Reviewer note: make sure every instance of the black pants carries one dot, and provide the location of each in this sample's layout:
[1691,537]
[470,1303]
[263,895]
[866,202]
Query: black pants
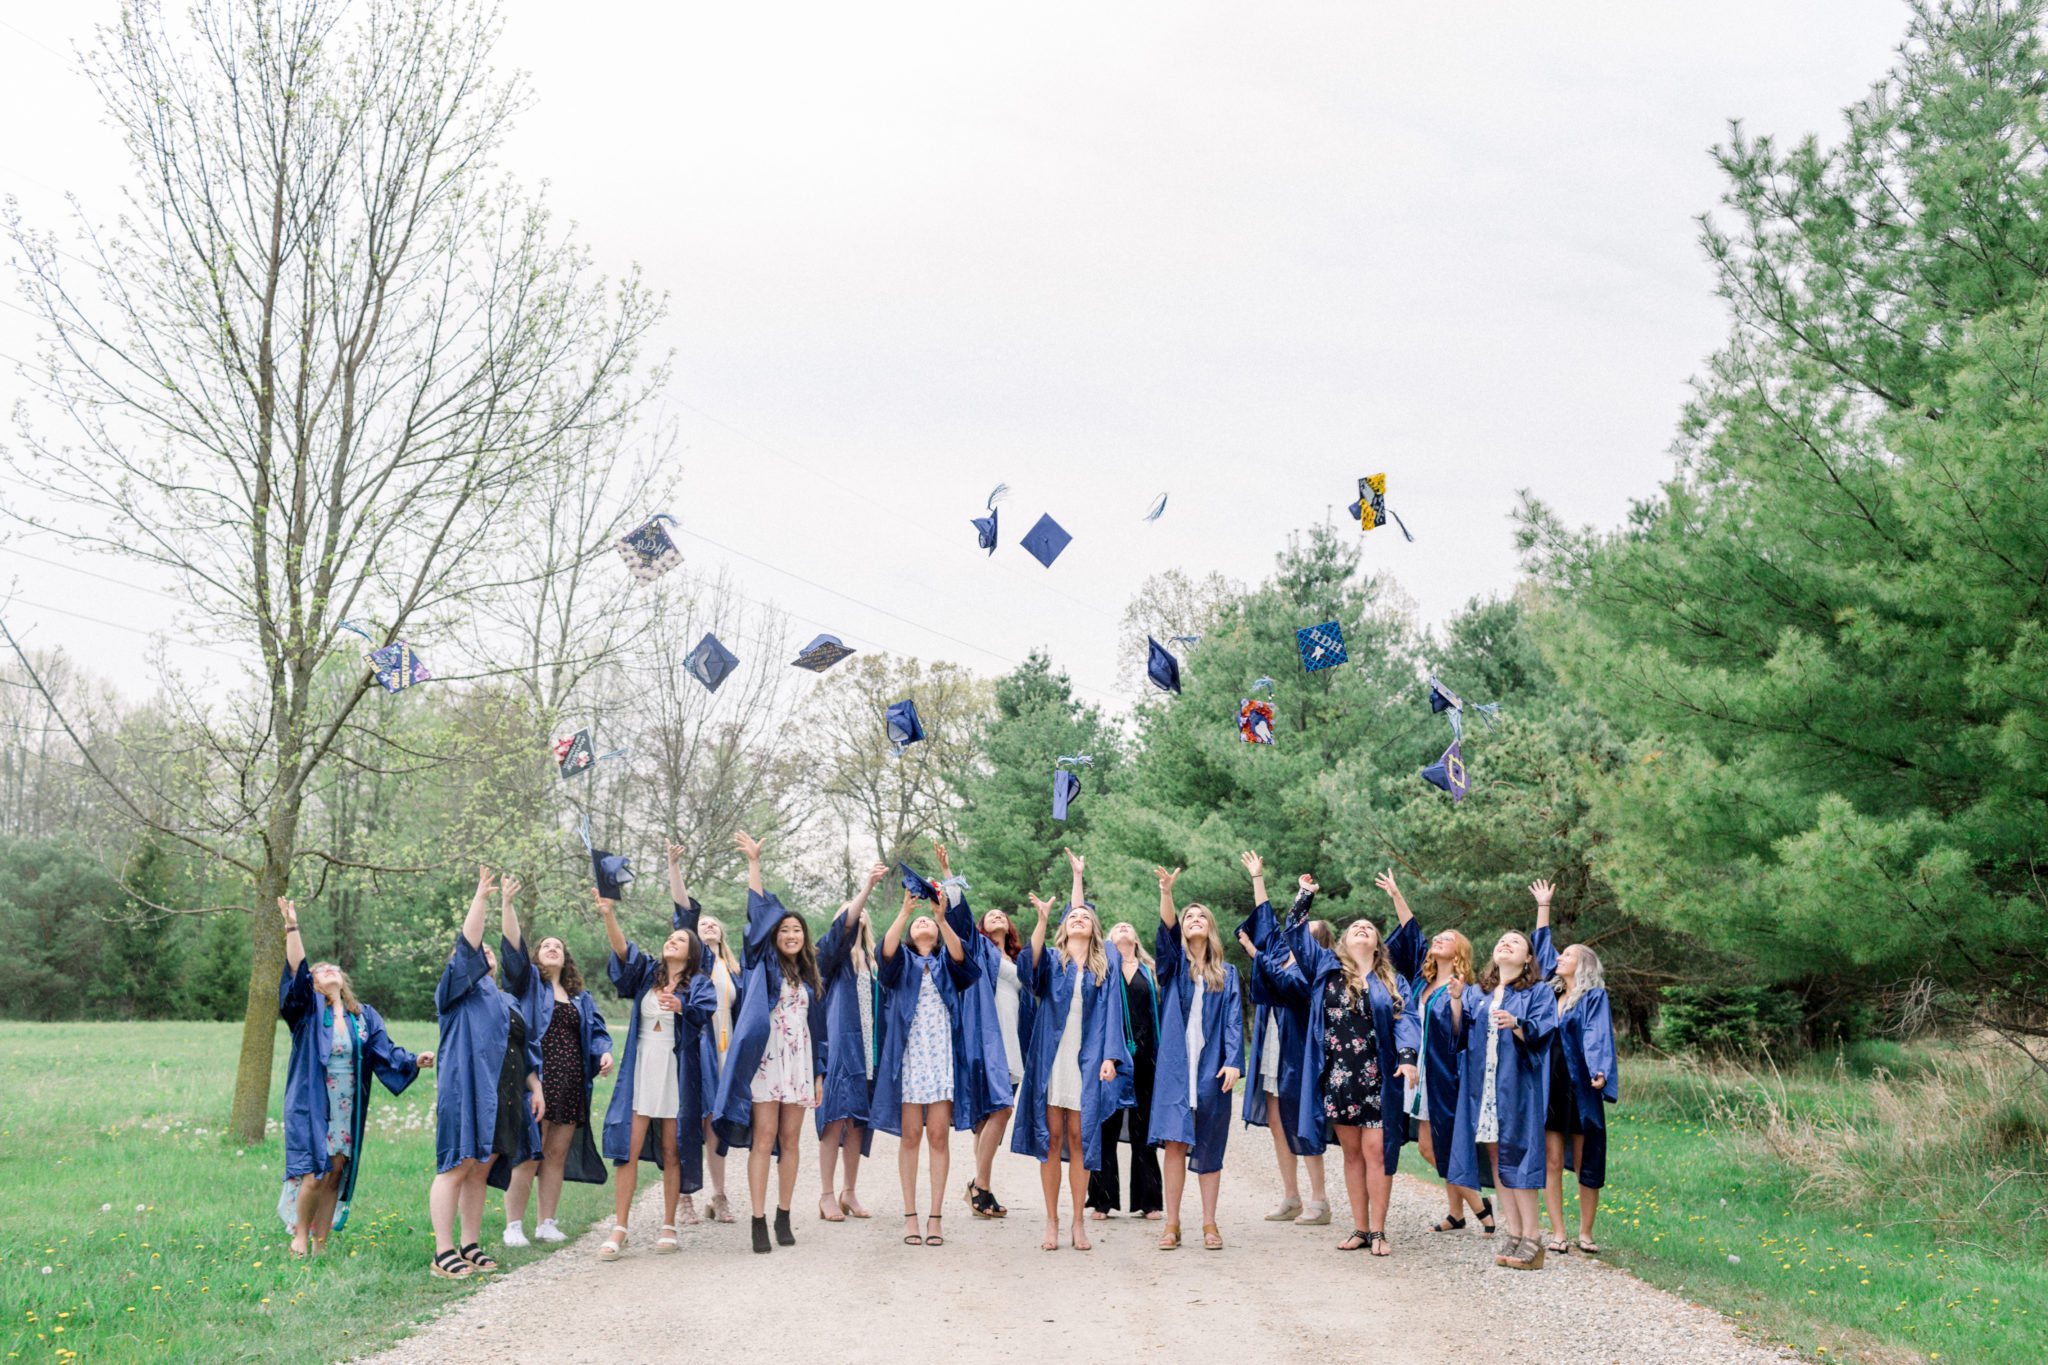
[1148,1195]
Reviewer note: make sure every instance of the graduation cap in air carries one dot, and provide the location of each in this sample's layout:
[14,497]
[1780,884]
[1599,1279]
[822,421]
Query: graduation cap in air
[1045,540]
[985,527]
[397,667]
[1162,668]
[917,885]
[577,754]
[1448,772]
[1157,509]
[1441,698]
[1255,717]
[648,549]
[903,725]
[1321,646]
[1371,510]
[821,653]
[612,870]
[1066,785]
[711,663]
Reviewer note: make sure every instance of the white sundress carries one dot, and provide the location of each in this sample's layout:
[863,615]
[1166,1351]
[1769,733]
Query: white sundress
[863,981]
[1269,1054]
[1489,1093]
[928,1048]
[1195,1041]
[1063,1086]
[1008,987]
[784,1076]
[655,1093]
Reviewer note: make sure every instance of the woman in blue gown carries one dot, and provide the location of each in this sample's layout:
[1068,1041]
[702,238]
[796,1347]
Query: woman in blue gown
[1584,1079]
[338,1043]
[1272,1093]
[853,1028]
[1436,1000]
[1077,1072]
[1504,1090]
[989,1018]
[1201,1056]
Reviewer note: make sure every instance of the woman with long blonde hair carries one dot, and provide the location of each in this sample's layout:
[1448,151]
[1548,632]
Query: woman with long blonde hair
[1078,1072]
[1584,1080]
[1201,1056]
[722,965]
[853,1026]
[1130,1127]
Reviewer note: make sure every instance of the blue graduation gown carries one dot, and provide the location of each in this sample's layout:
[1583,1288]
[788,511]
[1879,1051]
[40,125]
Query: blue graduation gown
[849,1092]
[1588,1033]
[1052,983]
[1286,1011]
[633,976]
[1393,1031]
[1441,1042]
[537,1007]
[905,976]
[685,918]
[305,1080]
[476,1020]
[732,1110]
[985,1084]
[1205,1127]
[1521,1082]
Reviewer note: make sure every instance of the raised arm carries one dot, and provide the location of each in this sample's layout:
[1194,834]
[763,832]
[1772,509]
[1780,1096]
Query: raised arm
[751,847]
[956,948]
[1305,889]
[473,922]
[1168,915]
[294,947]
[1385,882]
[850,912]
[893,940]
[612,931]
[1080,896]
[508,916]
[1255,865]
[1044,909]
[678,889]
[1540,942]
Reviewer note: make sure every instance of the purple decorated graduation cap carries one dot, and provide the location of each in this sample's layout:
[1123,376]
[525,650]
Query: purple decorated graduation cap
[711,663]
[396,667]
[1161,667]
[1045,540]
[648,549]
[902,724]
[1448,772]
[917,885]
[821,653]
[1321,646]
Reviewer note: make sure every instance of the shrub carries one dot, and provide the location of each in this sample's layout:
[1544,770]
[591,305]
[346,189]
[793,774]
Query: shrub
[1727,1020]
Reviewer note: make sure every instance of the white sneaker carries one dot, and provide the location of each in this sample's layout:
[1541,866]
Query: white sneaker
[515,1236]
[548,1232]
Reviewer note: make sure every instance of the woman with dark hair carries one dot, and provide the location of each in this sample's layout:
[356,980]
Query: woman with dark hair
[998,991]
[853,1025]
[1201,1056]
[1272,1095]
[771,1073]
[723,967]
[658,1099]
[338,1043]
[1584,1079]
[1131,1127]
[575,1049]
[1504,1091]
[985,1089]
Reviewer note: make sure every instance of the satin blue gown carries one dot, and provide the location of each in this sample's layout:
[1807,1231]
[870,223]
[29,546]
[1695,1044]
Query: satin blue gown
[1290,1016]
[1521,1085]
[1205,1126]
[537,1006]
[732,1111]
[475,1019]
[986,1085]
[1052,983]
[633,976]
[905,976]
[849,1059]
[305,1080]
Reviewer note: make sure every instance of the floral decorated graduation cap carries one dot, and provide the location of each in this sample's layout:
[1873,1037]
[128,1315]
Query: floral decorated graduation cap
[649,550]
[821,653]
[1255,717]
[1321,646]
[711,663]
[577,754]
[1046,540]
[1371,510]
[1448,772]
[1162,667]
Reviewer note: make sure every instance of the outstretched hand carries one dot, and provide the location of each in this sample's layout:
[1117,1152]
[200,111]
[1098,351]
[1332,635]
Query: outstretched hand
[749,846]
[1244,941]
[876,872]
[1043,908]
[484,882]
[1385,882]
[1307,883]
[1166,879]
[945,863]
[1253,864]
[508,888]
[675,857]
[289,911]
[1075,861]
[1542,891]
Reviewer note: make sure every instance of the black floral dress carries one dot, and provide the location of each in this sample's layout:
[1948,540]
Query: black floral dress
[1351,1057]
[561,1067]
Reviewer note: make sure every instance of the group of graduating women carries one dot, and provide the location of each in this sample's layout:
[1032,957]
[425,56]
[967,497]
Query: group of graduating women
[947,1023]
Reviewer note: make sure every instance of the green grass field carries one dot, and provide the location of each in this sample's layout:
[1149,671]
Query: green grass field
[131,1228]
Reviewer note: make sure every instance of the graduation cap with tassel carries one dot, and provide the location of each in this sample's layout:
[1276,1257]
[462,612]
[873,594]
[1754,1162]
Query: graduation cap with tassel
[902,724]
[1066,785]
[612,870]
[649,550]
[578,754]
[1371,510]
[985,527]
[1255,717]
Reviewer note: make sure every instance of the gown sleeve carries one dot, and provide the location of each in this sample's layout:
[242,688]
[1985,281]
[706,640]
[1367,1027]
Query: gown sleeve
[685,917]
[393,1065]
[960,914]
[464,970]
[1233,1022]
[1166,951]
[600,1036]
[1283,980]
[1312,959]
[1408,1028]
[835,950]
[630,974]
[295,992]
[699,1002]
[1260,926]
[1545,949]
[967,970]
[1034,971]
[1537,1009]
[1597,1030]
[764,912]
[1406,948]
[1110,1013]
[889,971]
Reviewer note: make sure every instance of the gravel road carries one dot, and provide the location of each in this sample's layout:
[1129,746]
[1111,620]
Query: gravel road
[853,1292]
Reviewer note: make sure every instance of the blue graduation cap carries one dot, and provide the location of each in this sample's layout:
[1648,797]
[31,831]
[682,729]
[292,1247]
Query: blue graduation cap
[1162,668]
[1045,540]
[578,754]
[648,550]
[916,885]
[396,667]
[612,870]
[710,663]
[821,653]
[1321,646]
[1448,772]
[1066,785]
[985,527]
[1157,509]
[1441,698]
[902,724]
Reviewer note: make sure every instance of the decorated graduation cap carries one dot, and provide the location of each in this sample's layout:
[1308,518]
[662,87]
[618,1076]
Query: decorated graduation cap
[578,754]
[649,550]
[1441,698]
[985,527]
[1371,510]
[821,653]
[1161,667]
[395,666]
[1255,717]
[1066,785]
[1321,646]
[917,885]
[1046,540]
[612,870]
[1448,772]
[711,663]
[1445,702]
[1157,509]
[903,726]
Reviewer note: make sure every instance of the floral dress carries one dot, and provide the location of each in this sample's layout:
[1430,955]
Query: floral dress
[1351,1059]
[341,1085]
[928,1048]
[784,1076]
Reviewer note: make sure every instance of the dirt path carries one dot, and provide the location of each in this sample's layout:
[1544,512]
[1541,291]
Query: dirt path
[853,1292]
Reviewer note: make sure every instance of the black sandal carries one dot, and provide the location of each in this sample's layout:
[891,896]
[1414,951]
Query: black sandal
[933,1239]
[982,1203]
[1357,1241]
[1376,1242]
[1486,1218]
[479,1258]
[1450,1224]
[912,1239]
[449,1265]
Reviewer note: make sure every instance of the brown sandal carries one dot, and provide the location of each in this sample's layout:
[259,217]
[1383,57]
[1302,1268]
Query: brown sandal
[1169,1240]
[1212,1237]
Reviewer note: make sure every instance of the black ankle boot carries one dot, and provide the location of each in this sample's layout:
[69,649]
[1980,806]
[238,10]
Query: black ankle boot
[761,1242]
[784,1234]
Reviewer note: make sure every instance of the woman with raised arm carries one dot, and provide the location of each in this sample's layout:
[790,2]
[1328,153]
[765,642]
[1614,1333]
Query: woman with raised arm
[338,1043]
[722,965]
[1436,999]
[998,990]
[1131,1127]
[1584,1080]
[1279,1027]
[985,1089]
[1201,1056]
[479,1120]
[1504,1091]
[771,1073]
[924,1053]
[659,1095]
[575,1049]
[1077,1072]
[853,1027]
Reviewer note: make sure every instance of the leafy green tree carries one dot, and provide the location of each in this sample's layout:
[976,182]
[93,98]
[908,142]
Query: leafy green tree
[54,900]
[142,967]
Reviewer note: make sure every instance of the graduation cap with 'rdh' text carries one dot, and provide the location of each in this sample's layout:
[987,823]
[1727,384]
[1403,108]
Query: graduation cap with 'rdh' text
[821,653]
[1448,772]
[1321,646]
[648,550]
[711,663]
[1046,540]
[902,724]
[1162,667]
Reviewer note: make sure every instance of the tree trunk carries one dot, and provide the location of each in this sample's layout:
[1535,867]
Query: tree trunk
[266,964]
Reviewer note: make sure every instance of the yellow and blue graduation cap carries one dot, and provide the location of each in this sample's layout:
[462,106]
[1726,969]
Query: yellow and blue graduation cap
[1321,646]
[1161,667]
[1046,540]
[821,653]
[1448,772]
[1066,785]
[648,549]
[612,870]
[902,723]
[917,885]
[395,666]
[985,527]
[1371,510]
[711,663]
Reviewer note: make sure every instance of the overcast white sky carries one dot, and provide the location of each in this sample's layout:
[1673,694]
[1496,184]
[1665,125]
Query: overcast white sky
[1238,254]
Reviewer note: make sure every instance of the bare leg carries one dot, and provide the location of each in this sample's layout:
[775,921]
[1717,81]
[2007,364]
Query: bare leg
[767,1122]
[786,1166]
[309,1209]
[1173,1180]
[1553,1187]
[1283,1156]
[1589,1195]
[671,1173]
[1316,1190]
[1077,1177]
[829,1143]
[988,1139]
[1379,1186]
[1351,1140]
[474,1189]
[326,1199]
[519,1192]
[908,1145]
[938,1135]
[849,1156]
[444,1199]
[626,1179]
[554,1154]
[1523,1202]
[1049,1175]
[714,1161]
[1211,1183]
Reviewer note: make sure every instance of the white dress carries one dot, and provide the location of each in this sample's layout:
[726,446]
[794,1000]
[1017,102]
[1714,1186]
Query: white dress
[1195,1041]
[928,1048]
[1269,1055]
[1489,1093]
[654,1065]
[784,1075]
[1063,1086]
[1008,987]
